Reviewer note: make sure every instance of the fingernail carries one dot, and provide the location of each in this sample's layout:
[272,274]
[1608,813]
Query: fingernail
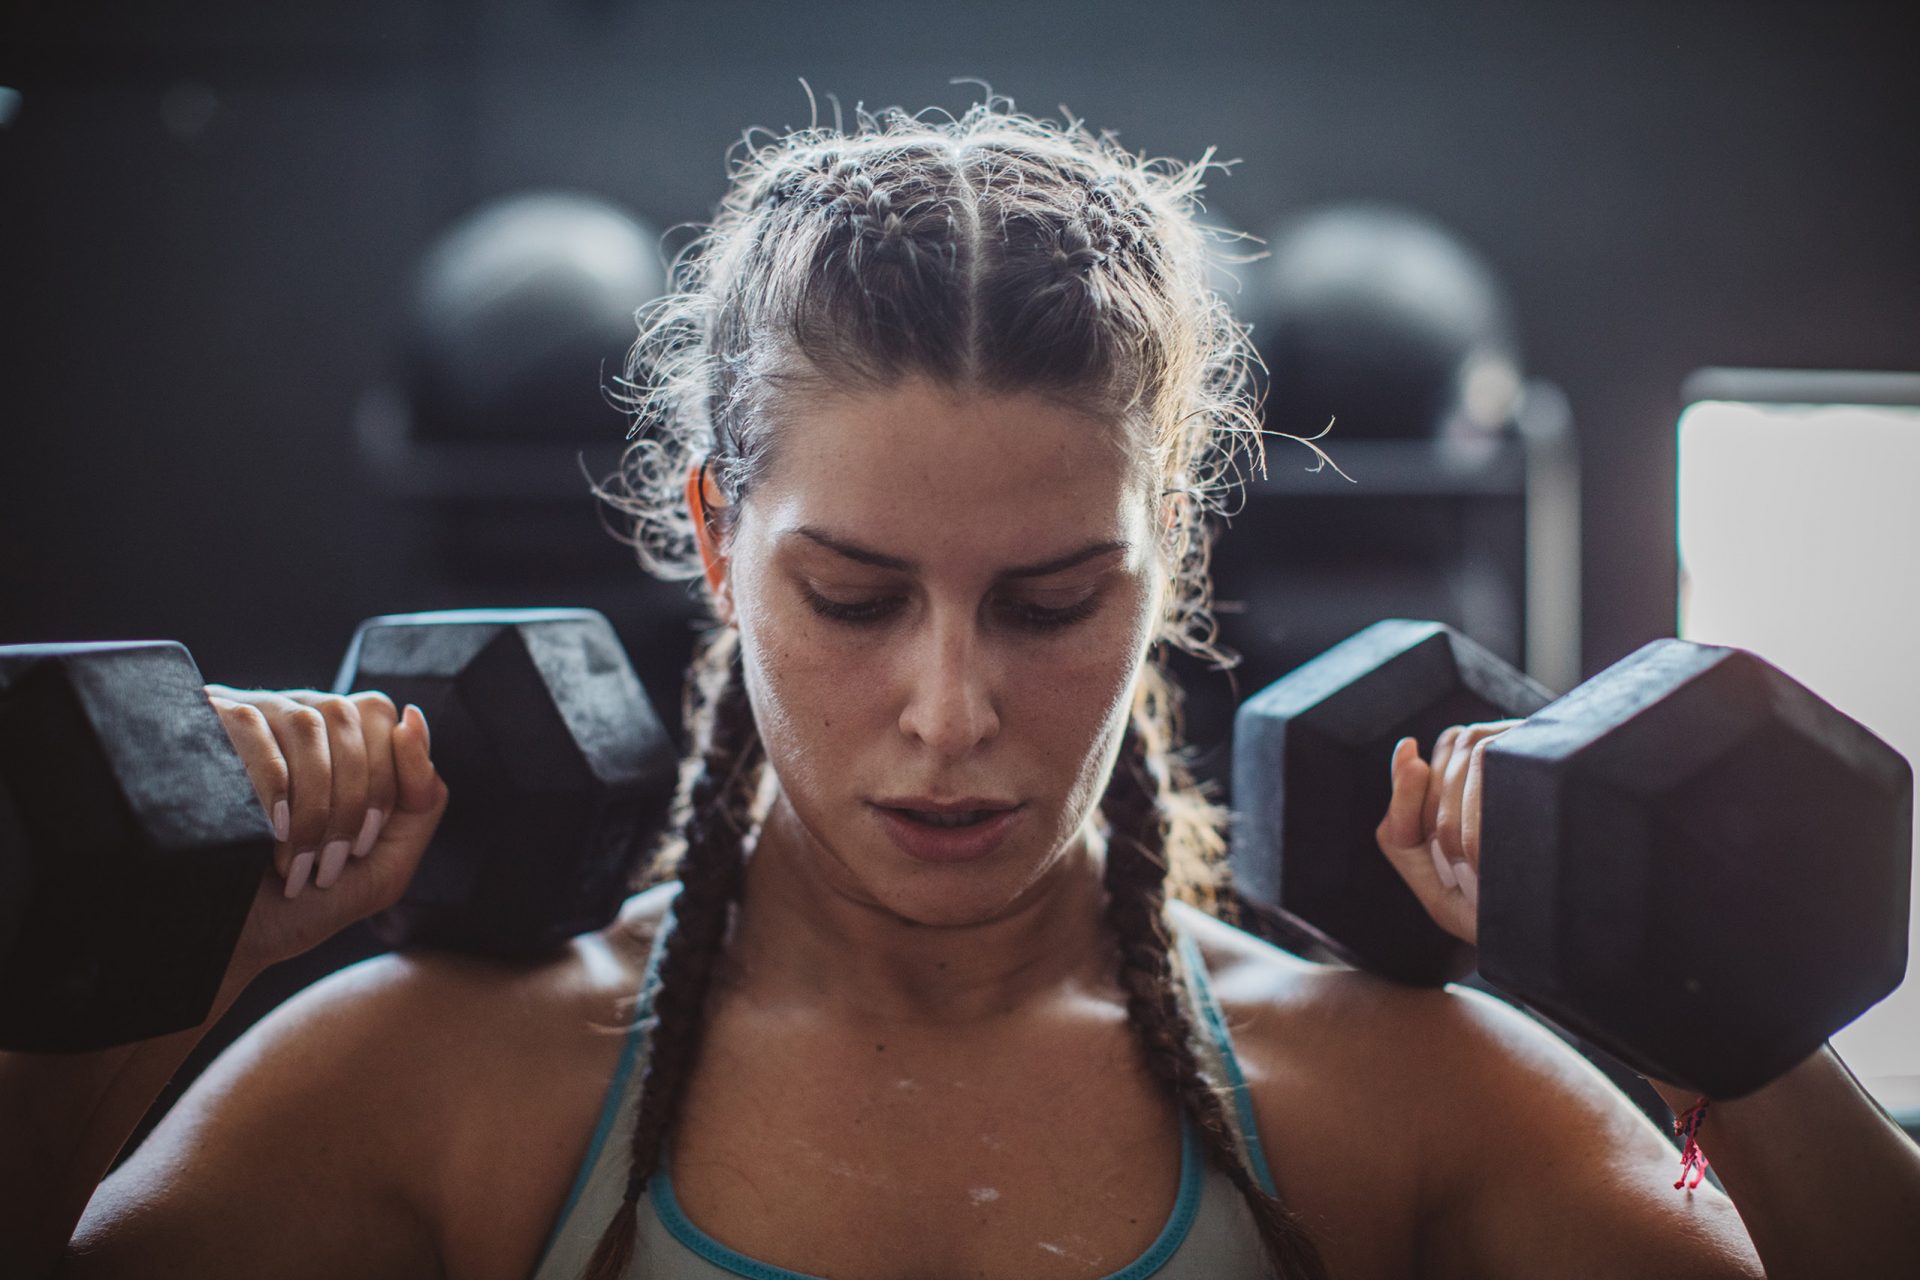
[280,821]
[369,832]
[1441,867]
[297,873]
[331,860]
[425,727]
[1469,881]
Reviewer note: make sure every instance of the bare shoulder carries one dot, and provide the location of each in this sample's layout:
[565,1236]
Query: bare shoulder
[339,1134]
[1454,1122]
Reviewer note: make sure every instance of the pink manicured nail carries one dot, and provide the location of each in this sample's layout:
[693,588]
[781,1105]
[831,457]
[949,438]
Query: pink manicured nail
[1441,867]
[369,832]
[298,872]
[332,859]
[1469,881]
[280,821]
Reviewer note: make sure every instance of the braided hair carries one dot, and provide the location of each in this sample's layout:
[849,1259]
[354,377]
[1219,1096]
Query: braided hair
[992,253]
[1148,781]
[711,816]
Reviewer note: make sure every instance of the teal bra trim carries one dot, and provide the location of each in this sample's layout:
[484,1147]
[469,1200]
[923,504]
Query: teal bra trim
[616,1088]
[1185,1207]
[1217,1028]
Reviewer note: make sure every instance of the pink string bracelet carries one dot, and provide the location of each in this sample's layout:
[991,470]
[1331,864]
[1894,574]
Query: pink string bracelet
[1692,1159]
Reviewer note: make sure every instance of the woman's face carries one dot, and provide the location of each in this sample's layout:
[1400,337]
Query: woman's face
[941,600]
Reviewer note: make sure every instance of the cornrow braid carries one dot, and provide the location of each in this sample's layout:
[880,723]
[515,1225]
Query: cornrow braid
[713,815]
[1136,875]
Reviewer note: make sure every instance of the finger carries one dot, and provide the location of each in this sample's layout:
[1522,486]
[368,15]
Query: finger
[1438,897]
[1442,752]
[1401,826]
[416,812]
[347,806]
[1399,835]
[421,788]
[1470,804]
[1460,762]
[1460,794]
[266,767]
[302,732]
[377,721]
[1449,777]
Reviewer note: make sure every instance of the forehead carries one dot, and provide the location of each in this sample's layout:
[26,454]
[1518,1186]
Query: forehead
[926,469]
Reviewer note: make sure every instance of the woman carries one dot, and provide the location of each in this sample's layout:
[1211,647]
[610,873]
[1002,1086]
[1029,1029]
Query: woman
[932,985]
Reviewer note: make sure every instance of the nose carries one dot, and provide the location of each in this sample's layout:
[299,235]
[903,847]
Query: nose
[950,689]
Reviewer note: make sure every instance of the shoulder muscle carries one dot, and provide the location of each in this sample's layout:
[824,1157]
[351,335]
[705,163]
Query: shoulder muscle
[1540,1165]
[287,1155]
[1446,1133]
[323,1141]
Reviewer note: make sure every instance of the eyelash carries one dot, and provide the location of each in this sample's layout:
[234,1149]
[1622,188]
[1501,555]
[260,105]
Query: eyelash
[1031,616]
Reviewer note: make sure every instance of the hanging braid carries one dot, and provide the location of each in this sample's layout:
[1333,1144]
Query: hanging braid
[713,813]
[1137,810]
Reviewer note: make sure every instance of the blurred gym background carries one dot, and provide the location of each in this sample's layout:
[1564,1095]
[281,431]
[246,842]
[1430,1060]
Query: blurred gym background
[305,312]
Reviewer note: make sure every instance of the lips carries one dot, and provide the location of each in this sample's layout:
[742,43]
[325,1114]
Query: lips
[930,804]
[932,830]
[958,818]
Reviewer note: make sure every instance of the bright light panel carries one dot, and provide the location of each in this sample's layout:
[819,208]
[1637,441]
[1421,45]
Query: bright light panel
[1799,536]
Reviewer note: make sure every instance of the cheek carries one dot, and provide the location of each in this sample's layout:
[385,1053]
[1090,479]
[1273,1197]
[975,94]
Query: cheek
[1073,702]
[806,691]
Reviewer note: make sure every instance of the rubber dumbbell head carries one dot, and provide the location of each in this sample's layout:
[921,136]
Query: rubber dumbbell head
[137,845]
[560,773]
[1698,863]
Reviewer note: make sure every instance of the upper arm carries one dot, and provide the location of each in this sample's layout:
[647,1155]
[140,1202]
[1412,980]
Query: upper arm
[1537,1165]
[288,1157]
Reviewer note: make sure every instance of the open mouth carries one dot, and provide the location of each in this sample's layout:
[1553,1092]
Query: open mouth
[965,818]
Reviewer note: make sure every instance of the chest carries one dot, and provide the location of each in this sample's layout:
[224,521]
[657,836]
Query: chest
[1023,1152]
[1043,1151]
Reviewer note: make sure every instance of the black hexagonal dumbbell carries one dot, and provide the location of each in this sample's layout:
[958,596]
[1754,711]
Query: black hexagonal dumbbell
[1691,860]
[558,770]
[131,842]
[134,848]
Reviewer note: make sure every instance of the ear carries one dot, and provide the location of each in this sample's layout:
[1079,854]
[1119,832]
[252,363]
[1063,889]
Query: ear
[719,581]
[1173,509]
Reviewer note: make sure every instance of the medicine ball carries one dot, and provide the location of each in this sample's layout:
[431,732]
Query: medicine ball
[521,312]
[1382,320]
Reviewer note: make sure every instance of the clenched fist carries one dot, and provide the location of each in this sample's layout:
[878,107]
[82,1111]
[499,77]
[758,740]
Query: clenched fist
[1431,832]
[353,797]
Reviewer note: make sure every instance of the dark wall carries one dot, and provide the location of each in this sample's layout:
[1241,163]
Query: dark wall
[207,221]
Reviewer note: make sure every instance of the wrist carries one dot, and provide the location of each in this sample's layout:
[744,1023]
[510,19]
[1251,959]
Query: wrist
[1678,1100]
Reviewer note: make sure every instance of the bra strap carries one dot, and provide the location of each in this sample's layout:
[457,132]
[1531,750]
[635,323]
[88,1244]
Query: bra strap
[1221,1065]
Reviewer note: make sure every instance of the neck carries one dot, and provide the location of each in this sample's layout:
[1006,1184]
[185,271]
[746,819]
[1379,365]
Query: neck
[809,937]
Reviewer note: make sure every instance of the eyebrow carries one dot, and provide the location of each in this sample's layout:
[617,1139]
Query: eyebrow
[866,555]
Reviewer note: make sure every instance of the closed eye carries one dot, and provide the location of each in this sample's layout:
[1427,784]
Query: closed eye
[1022,613]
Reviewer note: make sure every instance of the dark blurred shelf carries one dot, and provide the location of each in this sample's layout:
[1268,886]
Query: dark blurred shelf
[1397,469]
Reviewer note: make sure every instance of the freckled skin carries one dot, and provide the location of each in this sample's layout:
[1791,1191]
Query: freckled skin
[949,694]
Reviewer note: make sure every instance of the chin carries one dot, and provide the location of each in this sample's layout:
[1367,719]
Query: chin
[951,896]
[941,905]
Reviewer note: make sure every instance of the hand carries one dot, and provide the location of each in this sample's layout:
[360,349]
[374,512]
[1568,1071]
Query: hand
[1431,832]
[353,799]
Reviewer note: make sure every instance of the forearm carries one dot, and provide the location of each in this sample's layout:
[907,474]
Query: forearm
[1825,1182]
[66,1117]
